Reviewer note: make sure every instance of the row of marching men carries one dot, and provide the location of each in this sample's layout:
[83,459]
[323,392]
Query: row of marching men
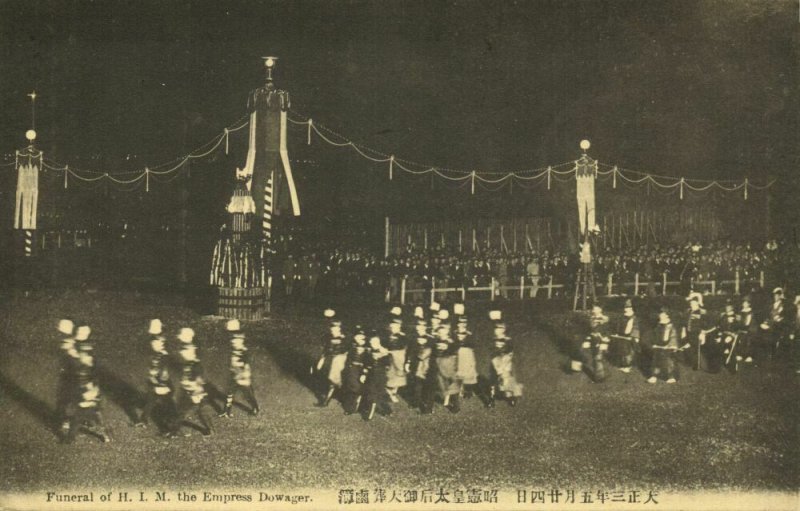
[703,341]
[435,364]
[79,393]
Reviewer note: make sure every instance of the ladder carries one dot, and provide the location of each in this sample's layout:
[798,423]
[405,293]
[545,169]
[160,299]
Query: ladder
[584,286]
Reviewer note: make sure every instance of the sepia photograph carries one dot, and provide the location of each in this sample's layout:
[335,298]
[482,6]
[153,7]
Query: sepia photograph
[399,254]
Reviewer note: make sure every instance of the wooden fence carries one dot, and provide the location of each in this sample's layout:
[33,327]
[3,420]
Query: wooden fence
[531,290]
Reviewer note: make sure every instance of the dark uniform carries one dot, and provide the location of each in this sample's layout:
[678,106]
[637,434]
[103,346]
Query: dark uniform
[397,345]
[354,373]
[503,378]
[467,371]
[626,338]
[775,327]
[87,407]
[595,345]
[240,370]
[444,366]
[193,398]
[696,324]
[376,376]
[748,332]
[160,395]
[333,359]
[665,345]
[729,331]
[419,365]
[67,375]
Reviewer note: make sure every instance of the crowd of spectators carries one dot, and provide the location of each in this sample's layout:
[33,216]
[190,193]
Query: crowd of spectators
[358,269]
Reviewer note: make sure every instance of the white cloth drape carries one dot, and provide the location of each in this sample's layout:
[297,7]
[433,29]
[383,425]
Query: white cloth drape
[287,168]
[27,197]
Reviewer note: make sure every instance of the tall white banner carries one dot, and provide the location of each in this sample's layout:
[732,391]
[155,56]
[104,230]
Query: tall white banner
[585,175]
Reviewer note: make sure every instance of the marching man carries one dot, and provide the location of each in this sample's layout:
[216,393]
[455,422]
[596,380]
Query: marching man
[241,372]
[503,379]
[333,358]
[467,372]
[594,346]
[353,375]
[665,344]
[445,364]
[160,395]
[67,375]
[194,397]
[694,333]
[747,333]
[626,340]
[730,329]
[87,410]
[396,344]
[376,378]
[419,365]
[775,326]
[435,308]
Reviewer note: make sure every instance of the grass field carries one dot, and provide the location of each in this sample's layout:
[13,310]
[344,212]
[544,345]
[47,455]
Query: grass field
[708,431]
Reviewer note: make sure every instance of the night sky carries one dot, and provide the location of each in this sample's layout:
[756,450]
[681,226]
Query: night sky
[684,88]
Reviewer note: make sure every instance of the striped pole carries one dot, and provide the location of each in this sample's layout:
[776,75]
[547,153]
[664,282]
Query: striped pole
[28,242]
[267,220]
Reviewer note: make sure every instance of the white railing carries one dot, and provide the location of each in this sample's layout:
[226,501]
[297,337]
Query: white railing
[534,291]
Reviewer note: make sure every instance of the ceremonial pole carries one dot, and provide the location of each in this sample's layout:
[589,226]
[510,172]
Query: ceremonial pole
[386,238]
[246,252]
[585,175]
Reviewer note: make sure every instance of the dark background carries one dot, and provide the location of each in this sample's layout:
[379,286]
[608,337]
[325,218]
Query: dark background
[693,89]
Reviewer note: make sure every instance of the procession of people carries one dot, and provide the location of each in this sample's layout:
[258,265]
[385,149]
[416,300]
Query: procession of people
[433,363]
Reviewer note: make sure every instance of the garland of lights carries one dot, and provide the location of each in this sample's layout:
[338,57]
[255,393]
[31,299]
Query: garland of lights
[561,172]
[551,172]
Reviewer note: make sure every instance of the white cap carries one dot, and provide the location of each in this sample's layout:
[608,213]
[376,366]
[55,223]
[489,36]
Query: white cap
[694,295]
[458,309]
[375,343]
[329,313]
[66,326]
[396,311]
[233,325]
[435,306]
[443,314]
[186,335]
[777,291]
[419,312]
[155,327]
[82,333]
[495,315]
